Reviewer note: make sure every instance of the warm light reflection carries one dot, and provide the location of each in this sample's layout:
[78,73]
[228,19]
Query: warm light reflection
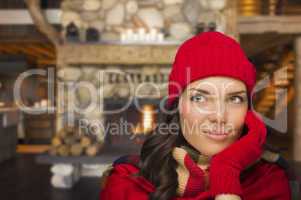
[147,122]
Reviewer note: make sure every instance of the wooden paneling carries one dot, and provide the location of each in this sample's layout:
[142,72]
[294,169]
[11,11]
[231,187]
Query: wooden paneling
[27,40]
[292,7]
[21,33]
[39,127]
[256,44]
[19,4]
[262,24]
[34,52]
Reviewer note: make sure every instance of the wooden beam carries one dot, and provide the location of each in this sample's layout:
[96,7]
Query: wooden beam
[34,149]
[20,49]
[37,53]
[40,50]
[43,62]
[42,23]
[5,49]
[23,17]
[257,44]
[20,4]
[21,34]
[116,54]
[262,24]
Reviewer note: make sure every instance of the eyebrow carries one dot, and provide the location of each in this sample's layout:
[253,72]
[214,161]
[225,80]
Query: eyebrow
[208,92]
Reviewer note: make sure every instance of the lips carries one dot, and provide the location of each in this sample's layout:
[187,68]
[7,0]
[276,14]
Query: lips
[216,135]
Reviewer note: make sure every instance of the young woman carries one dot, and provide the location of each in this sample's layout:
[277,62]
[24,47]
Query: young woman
[217,152]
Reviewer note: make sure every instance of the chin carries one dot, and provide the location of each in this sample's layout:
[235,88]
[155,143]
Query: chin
[211,149]
[211,153]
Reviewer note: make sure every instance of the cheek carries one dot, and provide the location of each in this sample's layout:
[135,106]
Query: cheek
[187,110]
[191,121]
[237,121]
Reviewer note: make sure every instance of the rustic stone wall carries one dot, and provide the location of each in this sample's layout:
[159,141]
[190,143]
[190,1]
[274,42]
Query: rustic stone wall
[177,19]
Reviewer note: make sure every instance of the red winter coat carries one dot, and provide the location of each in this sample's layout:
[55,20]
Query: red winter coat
[267,181]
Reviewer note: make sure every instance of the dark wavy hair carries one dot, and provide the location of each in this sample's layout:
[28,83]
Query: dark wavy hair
[156,162]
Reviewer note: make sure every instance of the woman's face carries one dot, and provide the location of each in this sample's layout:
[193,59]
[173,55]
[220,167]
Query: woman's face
[212,112]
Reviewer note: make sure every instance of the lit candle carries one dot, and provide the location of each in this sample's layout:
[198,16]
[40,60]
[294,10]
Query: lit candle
[129,35]
[44,103]
[153,31]
[135,37]
[160,37]
[147,37]
[153,34]
[123,37]
[36,104]
[141,34]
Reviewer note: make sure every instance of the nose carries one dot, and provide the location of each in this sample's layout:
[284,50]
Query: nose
[218,114]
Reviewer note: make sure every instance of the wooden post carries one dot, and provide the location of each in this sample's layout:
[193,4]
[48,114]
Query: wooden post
[297,128]
[231,19]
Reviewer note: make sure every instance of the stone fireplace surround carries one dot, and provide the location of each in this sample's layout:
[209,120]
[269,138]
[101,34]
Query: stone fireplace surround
[114,72]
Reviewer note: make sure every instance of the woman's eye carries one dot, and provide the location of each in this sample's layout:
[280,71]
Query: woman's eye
[198,98]
[236,99]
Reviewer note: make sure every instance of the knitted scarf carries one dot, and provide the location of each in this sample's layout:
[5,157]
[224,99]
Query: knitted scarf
[189,176]
[192,180]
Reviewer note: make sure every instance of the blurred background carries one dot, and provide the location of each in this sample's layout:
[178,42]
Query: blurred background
[81,81]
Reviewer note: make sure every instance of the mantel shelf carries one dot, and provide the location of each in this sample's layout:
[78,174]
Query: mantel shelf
[125,54]
[261,24]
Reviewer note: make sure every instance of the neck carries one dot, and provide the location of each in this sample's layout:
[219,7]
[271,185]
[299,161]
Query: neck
[196,155]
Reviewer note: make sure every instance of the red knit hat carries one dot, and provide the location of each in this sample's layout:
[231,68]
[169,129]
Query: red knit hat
[209,54]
